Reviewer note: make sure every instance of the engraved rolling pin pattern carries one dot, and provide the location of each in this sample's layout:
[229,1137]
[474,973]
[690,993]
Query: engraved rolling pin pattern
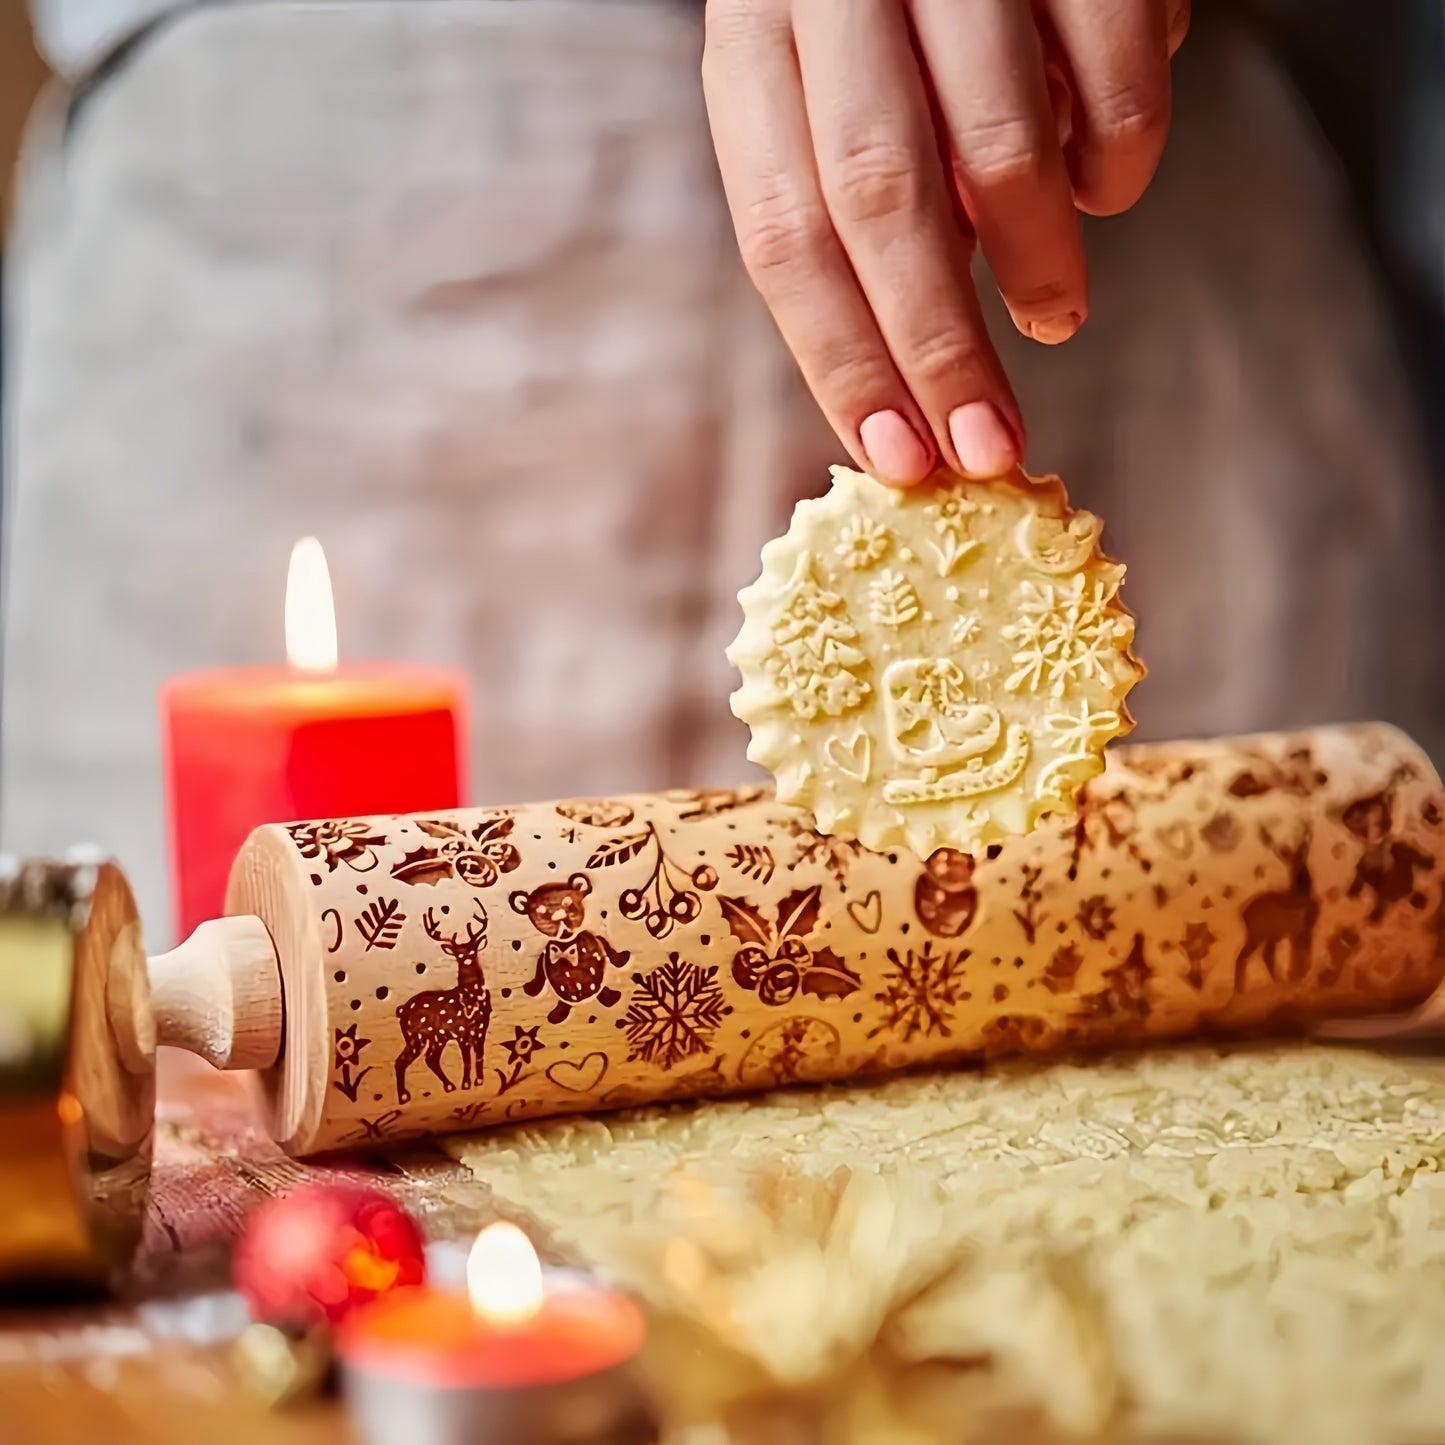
[475,967]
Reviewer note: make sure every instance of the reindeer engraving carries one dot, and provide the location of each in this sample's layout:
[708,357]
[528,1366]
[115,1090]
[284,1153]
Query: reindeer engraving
[1286,915]
[433,1019]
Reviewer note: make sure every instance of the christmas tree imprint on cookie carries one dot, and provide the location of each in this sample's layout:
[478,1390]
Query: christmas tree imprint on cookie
[937,667]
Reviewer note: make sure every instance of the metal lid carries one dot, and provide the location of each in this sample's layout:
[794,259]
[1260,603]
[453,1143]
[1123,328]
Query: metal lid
[77,1071]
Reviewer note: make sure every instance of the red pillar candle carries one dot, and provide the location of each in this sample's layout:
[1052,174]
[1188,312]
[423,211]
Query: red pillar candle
[250,745]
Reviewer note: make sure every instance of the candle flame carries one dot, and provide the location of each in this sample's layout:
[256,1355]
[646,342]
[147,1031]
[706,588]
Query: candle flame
[504,1275]
[310,613]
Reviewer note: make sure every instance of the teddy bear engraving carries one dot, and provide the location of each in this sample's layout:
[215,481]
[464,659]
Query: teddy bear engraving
[574,961]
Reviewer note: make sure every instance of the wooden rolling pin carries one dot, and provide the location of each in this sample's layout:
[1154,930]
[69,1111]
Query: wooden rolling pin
[455,971]
[394,977]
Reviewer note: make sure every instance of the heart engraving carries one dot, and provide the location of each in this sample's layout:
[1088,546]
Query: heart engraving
[579,1078]
[867,912]
[854,758]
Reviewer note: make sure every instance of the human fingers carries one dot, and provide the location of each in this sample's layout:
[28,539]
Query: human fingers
[886,188]
[789,245]
[986,63]
[1117,53]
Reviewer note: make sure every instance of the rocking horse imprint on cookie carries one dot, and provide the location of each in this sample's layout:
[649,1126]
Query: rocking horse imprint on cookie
[938,668]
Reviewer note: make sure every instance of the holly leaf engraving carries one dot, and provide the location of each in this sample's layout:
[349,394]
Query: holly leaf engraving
[798,912]
[433,829]
[829,976]
[746,922]
[422,866]
[380,924]
[497,827]
[619,850]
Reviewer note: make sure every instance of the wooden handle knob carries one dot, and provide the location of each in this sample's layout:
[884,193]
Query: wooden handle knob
[219,995]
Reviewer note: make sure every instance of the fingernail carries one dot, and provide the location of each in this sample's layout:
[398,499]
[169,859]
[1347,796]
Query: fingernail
[985,445]
[1054,329]
[894,450]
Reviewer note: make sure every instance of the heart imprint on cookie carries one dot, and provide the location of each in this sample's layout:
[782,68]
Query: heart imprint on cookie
[854,757]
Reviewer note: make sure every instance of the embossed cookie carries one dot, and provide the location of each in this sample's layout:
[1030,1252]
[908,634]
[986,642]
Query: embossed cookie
[935,667]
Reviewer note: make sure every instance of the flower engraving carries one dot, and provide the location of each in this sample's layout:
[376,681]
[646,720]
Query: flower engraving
[346,1056]
[523,1044]
[863,542]
[952,519]
[521,1049]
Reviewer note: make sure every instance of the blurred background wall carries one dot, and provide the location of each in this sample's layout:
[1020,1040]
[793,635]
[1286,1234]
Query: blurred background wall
[21,74]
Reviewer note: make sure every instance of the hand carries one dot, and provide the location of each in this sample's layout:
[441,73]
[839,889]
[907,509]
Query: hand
[866,145]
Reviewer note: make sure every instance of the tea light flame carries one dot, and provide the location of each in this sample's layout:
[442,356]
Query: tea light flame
[504,1275]
[310,612]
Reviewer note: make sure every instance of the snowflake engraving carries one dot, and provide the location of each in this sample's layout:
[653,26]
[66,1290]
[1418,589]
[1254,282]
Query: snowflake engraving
[1064,636]
[921,992]
[674,1013]
[1076,732]
[815,660]
[966,630]
[893,600]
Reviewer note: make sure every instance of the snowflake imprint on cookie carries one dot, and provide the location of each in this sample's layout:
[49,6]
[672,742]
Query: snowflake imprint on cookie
[938,667]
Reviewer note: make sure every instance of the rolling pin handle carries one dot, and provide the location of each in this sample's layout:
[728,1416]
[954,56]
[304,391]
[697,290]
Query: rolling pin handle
[219,995]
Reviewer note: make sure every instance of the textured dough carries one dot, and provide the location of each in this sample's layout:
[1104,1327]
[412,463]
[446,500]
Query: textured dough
[1188,1245]
[935,667]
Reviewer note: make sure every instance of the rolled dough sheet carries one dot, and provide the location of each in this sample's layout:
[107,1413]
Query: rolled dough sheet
[1193,1244]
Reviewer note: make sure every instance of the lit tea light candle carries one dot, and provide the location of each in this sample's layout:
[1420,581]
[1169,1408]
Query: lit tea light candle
[524,1354]
[317,738]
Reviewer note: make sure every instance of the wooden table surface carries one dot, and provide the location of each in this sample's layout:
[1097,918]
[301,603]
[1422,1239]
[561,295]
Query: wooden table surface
[157,1365]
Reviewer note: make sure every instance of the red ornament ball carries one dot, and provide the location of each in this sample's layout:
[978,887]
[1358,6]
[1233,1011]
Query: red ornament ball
[317,1253]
